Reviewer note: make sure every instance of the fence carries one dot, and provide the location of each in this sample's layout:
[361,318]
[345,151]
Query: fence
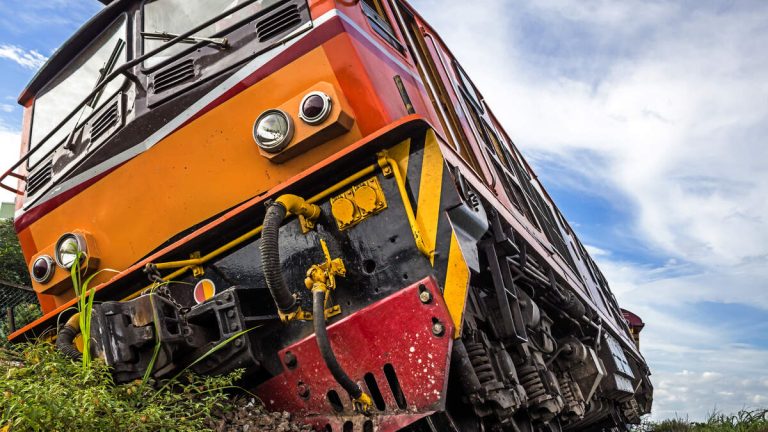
[18,306]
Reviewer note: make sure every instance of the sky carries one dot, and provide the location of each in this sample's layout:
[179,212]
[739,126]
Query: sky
[645,120]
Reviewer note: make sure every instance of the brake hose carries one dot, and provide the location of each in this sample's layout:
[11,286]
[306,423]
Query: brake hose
[270,246]
[361,399]
[286,302]
[65,340]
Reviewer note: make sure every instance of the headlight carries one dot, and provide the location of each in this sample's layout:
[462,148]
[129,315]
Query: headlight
[273,130]
[315,107]
[42,269]
[67,248]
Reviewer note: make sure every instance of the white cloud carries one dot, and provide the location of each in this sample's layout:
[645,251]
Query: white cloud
[29,59]
[9,153]
[659,107]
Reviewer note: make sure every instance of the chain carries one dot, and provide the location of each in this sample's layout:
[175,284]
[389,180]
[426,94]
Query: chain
[160,287]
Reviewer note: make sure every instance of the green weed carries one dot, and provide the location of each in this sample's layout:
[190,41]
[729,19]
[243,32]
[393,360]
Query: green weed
[743,421]
[40,389]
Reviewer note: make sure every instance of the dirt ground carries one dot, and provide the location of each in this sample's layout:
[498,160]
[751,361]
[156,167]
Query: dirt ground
[250,416]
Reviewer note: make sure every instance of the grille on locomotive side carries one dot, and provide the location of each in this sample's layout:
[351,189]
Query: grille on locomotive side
[279,22]
[105,122]
[174,75]
[39,178]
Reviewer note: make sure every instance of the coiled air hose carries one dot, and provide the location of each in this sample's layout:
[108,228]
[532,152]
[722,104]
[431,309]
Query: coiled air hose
[65,340]
[270,246]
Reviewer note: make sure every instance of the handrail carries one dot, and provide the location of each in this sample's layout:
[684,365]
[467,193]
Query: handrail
[122,70]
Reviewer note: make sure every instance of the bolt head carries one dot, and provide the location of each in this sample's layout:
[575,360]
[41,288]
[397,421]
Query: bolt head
[438,329]
[303,390]
[290,360]
[425,297]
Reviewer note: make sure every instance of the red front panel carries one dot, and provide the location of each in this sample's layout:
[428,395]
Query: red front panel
[396,331]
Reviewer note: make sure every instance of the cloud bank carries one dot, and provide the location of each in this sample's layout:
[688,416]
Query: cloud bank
[31,59]
[659,111]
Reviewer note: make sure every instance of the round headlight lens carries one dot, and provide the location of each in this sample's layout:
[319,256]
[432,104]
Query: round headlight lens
[42,269]
[67,248]
[315,108]
[273,130]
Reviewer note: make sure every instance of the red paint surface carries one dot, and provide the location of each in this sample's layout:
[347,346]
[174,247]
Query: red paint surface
[396,330]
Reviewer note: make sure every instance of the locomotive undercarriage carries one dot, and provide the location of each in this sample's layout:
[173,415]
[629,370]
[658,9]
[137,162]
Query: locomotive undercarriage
[530,356]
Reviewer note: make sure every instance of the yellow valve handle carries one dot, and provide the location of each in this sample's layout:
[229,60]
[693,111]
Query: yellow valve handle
[363,404]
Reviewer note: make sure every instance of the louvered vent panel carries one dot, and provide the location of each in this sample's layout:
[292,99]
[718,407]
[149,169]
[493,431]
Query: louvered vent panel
[174,75]
[105,122]
[41,177]
[279,22]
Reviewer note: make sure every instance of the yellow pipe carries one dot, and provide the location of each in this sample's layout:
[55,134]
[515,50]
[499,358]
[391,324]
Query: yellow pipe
[74,321]
[344,183]
[385,160]
[298,206]
[289,203]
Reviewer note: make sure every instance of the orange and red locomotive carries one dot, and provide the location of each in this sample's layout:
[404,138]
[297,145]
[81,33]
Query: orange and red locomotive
[319,184]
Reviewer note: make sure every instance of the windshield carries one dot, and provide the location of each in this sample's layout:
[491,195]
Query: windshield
[72,85]
[180,16]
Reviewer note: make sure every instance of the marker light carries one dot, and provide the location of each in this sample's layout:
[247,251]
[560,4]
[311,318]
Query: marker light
[67,248]
[273,130]
[204,290]
[315,107]
[42,269]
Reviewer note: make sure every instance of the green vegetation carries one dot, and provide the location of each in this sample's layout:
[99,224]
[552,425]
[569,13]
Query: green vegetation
[13,269]
[23,315]
[40,389]
[743,421]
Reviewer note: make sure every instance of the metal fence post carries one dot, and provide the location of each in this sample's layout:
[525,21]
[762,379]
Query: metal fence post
[11,320]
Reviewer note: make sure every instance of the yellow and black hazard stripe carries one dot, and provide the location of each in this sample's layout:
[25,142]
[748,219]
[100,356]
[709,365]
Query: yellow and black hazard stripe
[431,191]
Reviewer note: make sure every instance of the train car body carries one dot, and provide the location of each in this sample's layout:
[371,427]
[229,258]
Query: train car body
[318,189]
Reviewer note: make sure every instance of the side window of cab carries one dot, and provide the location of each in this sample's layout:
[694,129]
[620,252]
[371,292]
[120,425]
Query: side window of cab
[377,17]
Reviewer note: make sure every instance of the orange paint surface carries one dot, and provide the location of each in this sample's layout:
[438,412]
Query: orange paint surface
[208,166]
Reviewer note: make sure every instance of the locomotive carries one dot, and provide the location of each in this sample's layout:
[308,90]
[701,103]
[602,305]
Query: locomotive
[313,191]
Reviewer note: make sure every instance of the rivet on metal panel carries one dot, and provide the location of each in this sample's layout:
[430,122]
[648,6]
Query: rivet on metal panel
[438,329]
[290,360]
[303,390]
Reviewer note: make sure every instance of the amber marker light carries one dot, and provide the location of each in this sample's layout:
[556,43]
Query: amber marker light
[315,108]
[204,290]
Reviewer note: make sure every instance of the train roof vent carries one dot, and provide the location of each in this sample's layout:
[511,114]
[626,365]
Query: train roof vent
[281,21]
[105,122]
[174,75]
[40,177]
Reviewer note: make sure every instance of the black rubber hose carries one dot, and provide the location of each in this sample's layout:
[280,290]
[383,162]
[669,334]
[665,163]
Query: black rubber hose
[65,342]
[270,258]
[341,377]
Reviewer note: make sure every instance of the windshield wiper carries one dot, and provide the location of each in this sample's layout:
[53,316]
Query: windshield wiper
[105,70]
[165,36]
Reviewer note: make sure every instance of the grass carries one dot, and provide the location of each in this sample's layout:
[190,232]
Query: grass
[743,421]
[83,396]
[73,398]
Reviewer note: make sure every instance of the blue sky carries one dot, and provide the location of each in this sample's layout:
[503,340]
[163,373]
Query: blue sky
[646,120]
